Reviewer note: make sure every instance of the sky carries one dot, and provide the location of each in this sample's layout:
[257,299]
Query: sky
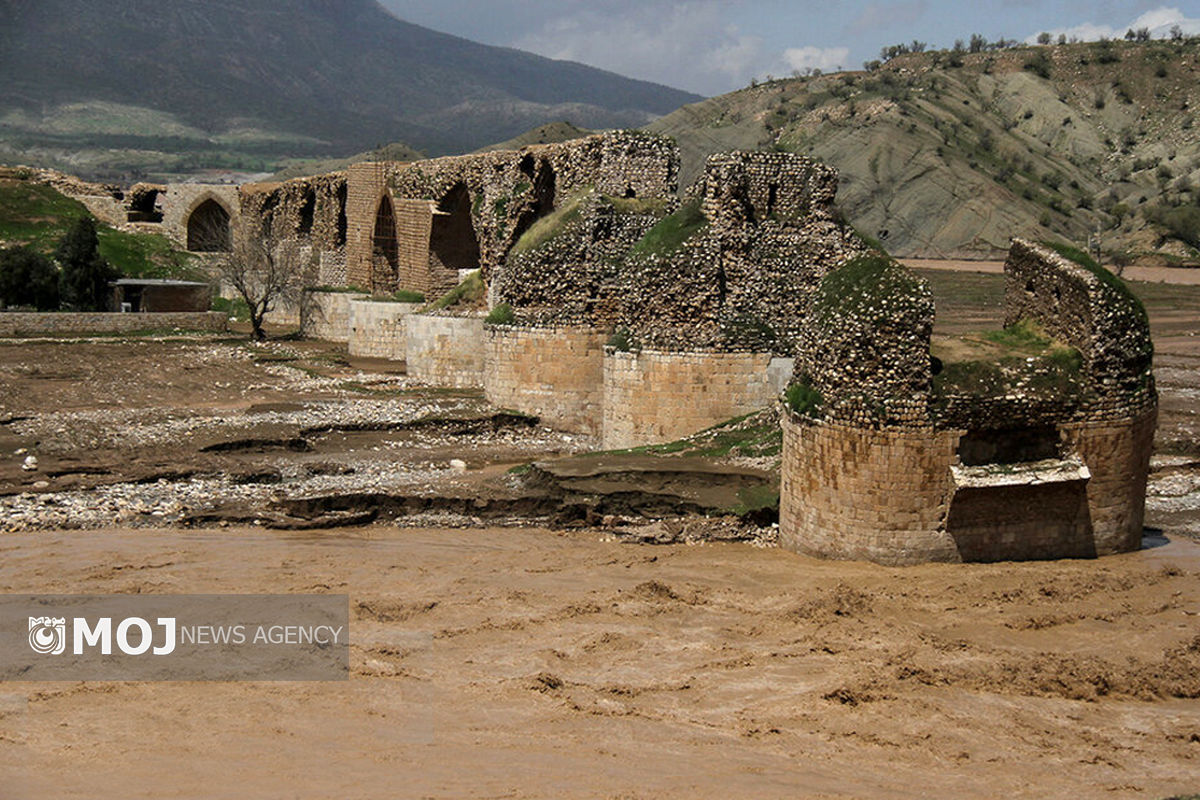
[715,46]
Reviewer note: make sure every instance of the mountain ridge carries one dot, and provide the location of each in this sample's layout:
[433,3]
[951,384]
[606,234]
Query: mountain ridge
[327,77]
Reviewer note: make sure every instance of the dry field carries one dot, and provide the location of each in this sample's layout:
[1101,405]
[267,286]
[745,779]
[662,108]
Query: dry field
[506,658]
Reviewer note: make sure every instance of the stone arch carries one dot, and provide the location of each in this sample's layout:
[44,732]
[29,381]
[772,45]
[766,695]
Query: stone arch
[453,243]
[209,229]
[385,250]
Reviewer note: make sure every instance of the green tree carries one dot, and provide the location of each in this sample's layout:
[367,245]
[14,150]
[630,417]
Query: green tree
[28,278]
[85,274]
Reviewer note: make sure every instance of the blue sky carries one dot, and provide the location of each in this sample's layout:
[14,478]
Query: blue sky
[714,46]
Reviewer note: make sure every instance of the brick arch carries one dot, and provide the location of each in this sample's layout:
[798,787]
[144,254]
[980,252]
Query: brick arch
[209,226]
[385,249]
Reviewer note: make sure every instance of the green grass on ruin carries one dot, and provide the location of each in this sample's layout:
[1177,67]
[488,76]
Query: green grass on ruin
[38,216]
[469,293]
[671,232]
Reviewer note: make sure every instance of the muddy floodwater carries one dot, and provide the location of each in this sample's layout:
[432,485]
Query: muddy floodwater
[510,640]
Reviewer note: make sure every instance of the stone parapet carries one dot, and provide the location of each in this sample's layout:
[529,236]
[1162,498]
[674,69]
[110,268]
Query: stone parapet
[376,329]
[75,323]
[555,372]
[445,350]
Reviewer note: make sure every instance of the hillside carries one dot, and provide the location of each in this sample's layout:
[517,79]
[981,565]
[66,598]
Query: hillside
[949,154]
[543,134]
[128,86]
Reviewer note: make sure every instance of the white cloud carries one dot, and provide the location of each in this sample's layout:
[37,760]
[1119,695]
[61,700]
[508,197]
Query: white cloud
[1159,21]
[822,58]
[689,45]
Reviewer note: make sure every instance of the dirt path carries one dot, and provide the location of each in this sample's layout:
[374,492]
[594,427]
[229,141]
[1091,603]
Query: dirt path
[524,663]
[1174,275]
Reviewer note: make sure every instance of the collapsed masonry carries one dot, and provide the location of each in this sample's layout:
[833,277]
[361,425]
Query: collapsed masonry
[896,455]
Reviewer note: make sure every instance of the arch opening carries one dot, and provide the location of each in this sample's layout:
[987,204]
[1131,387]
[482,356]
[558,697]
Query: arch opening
[544,190]
[208,229]
[385,250]
[453,243]
[307,212]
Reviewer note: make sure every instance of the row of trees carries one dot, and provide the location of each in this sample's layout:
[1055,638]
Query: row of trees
[78,281]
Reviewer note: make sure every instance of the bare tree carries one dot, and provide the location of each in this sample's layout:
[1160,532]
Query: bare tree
[263,274]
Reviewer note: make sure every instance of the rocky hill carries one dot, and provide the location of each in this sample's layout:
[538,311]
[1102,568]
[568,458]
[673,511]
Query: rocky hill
[94,85]
[949,154]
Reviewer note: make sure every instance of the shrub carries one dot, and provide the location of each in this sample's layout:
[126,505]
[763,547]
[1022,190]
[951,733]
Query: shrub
[1039,65]
[28,278]
[621,340]
[502,314]
[803,399]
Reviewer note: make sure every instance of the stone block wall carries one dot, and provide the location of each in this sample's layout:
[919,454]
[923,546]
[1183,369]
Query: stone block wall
[556,373]
[76,323]
[326,315]
[376,329]
[1117,453]
[1021,520]
[875,495]
[892,496]
[658,396]
[445,350]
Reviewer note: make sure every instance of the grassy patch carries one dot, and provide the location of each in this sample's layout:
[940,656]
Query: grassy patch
[502,314]
[1025,336]
[235,308]
[147,255]
[866,287]
[1057,374]
[638,205]
[670,233]
[754,435]
[39,216]
[401,296]
[756,498]
[467,293]
[338,289]
[553,224]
